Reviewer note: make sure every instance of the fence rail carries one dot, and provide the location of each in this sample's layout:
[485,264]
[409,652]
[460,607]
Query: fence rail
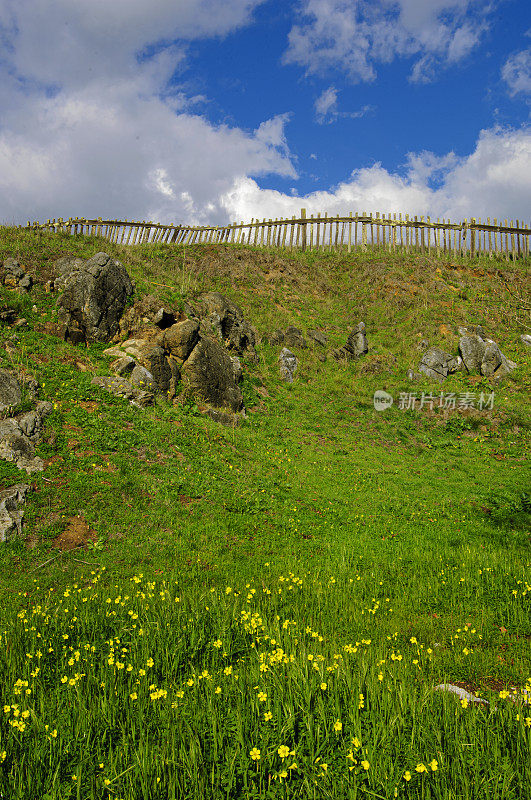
[321,232]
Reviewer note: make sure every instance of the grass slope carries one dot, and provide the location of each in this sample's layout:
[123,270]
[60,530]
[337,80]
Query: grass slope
[264,611]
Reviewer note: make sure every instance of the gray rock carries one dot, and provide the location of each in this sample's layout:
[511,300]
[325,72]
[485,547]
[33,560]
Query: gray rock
[93,300]
[181,338]
[10,515]
[153,359]
[123,366]
[10,390]
[492,359]
[288,364]
[293,338]
[26,282]
[44,409]
[472,349]
[435,363]
[357,343]
[17,448]
[12,266]
[413,376]
[454,364]
[30,424]
[277,337]
[462,693]
[141,378]
[227,320]
[505,368]
[209,372]
[355,346]
[525,338]
[318,336]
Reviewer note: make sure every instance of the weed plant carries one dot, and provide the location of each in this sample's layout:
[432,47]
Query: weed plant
[265,611]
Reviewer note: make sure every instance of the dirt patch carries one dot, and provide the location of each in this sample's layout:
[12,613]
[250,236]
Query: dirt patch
[76,534]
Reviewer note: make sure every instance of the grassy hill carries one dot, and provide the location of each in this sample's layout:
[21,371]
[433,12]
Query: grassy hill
[324,566]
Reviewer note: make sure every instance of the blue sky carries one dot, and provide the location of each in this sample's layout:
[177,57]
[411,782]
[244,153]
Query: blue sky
[204,111]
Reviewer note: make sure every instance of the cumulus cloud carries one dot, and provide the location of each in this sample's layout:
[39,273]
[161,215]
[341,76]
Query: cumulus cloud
[516,72]
[493,181]
[352,36]
[91,125]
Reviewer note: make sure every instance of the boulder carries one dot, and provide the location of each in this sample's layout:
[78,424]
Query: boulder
[525,338]
[10,515]
[318,336]
[492,359]
[93,300]
[14,277]
[228,323]
[483,355]
[355,346]
[145,319]
[180,339]
[10,390]
[437,364]
[20,434]
[288,364]
[293,338]
[472,348]
[274,338]
[209,372]
[153,359]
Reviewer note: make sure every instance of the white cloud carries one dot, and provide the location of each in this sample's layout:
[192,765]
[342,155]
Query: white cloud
[493,181]
[326,110]
[63,41]
[352,35]
[516,72]
[91,127]
[326,103]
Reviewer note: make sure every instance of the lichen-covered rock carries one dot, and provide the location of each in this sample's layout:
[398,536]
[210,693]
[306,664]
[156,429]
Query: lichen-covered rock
[209,372]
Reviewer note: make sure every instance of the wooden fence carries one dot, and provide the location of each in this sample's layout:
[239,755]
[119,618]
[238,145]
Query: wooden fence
[392,232]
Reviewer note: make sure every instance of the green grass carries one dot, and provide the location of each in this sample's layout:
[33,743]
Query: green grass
[392,547]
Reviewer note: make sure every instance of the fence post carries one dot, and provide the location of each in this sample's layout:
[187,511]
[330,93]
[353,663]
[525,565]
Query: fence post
[303,230]
[472,238]
[363,232]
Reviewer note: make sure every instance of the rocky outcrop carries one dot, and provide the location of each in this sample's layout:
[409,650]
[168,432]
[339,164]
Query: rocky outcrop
[94,296]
